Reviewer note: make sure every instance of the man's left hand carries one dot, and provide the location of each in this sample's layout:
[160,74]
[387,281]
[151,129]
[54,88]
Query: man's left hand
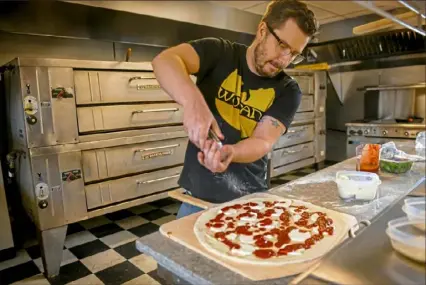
[214,158]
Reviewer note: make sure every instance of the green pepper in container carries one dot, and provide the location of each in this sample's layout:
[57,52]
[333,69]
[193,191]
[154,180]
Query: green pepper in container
[396,165]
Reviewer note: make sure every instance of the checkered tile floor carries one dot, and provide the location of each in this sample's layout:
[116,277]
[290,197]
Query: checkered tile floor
[102,250]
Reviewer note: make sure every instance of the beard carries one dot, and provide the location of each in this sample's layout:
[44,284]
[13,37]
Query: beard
[260,62]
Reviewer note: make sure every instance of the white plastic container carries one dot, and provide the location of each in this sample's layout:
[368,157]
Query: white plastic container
[357,184]
[415,208]
[407,239]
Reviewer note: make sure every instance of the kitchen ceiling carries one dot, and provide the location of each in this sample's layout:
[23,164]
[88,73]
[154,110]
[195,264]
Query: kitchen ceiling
[326,11]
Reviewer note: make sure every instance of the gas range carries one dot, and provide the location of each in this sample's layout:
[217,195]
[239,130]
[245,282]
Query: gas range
[384,129]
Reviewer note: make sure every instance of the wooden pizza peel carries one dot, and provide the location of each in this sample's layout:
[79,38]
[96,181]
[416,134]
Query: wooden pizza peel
[182,232]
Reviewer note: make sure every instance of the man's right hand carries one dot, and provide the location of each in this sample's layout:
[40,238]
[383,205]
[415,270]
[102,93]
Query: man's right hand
[197,120]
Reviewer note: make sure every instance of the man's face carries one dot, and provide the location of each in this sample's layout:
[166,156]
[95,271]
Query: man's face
[270,55]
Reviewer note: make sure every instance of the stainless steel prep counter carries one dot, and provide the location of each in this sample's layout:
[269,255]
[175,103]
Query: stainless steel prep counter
[181,265]
[370,258]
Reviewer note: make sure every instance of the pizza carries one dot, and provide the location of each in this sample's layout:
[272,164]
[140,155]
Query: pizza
[267,231]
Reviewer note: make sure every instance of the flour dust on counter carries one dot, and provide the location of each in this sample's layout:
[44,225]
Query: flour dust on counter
[102,250]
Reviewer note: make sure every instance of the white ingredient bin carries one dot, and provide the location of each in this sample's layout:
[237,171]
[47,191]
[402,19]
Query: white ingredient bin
[415,210]
[407,239]
[357,184]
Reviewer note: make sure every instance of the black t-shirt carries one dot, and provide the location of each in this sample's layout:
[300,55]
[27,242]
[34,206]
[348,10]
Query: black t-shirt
[238,99]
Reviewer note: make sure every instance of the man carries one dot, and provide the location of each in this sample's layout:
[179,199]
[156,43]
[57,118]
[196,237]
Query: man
[243,95]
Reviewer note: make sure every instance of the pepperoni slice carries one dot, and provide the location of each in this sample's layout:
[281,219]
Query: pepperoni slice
[218,225]
[264,253]
[265,222]
[262,243]
[269,212]
[220,236]
[243,230]
[290,248]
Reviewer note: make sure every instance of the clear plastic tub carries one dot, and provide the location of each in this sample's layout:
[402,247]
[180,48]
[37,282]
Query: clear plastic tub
[357,184]
[407,239]
[416,211]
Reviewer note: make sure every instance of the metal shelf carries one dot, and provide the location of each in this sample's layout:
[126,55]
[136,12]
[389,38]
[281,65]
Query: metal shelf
[393,87]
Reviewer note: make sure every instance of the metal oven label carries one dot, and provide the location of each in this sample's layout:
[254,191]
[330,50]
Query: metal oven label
[71,175]
[156,154]
[61,92]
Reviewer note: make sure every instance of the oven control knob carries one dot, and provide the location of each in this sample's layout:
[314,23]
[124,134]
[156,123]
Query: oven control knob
[352,132]
[385,133]
[360,133]
[366,132]
[406,134]
[43,204]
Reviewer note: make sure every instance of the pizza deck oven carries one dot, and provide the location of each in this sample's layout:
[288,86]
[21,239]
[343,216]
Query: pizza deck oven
[304,142]
[90,138]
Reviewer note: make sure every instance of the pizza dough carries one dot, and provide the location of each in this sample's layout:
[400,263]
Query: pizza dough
[269,231]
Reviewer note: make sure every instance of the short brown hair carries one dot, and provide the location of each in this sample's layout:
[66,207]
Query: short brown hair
[279,11]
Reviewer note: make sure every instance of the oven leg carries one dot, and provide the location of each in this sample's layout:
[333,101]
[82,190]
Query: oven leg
[319,165]
[51,245]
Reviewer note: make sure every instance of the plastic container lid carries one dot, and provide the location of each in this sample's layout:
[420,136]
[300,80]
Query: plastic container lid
[407,239]
[357,184]
[415,210]
[415,207]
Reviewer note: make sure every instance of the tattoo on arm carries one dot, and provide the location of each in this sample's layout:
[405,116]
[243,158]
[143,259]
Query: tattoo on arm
[273,121]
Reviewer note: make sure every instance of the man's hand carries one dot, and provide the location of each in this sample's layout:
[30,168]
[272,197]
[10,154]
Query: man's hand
[197,120]
[214,158]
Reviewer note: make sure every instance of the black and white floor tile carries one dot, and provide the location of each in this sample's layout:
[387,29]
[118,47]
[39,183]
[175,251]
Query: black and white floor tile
[102,250]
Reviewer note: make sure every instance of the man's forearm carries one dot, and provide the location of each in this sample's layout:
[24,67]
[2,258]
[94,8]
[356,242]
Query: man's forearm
[250,150]
[171,73]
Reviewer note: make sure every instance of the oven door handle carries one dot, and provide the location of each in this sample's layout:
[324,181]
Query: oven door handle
[295,151]
[146,86]
[292,131]
[157,180]
[155,110]
[158,147]
[140,78]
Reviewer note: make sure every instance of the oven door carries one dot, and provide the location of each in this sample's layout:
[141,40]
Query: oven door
[353,141]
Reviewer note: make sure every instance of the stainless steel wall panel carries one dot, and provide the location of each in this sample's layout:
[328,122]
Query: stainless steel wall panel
[94,23]
[36,46]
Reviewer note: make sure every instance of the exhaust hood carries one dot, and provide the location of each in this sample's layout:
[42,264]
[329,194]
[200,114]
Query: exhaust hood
[70,20]
[380,50]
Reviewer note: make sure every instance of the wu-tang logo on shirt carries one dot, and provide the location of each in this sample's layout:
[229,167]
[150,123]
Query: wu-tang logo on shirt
[242,110]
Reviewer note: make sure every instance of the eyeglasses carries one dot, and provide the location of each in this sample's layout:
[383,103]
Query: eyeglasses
[285,48]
